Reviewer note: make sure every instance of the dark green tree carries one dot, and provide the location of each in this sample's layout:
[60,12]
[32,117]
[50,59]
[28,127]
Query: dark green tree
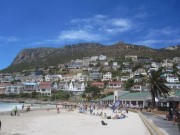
[95,91]
[157,86]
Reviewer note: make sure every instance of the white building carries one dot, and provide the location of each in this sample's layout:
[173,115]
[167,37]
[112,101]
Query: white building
[94,58]
[172,79]
[102,57]
[107,76]
[14,89]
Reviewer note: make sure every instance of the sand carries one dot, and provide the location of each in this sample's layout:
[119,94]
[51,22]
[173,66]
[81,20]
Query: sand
[43,122]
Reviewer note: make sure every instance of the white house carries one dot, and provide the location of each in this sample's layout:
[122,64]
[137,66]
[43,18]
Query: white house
[172,79]
[167,63]
[139,88]
[107,76]
[53,78]
[126,70]
[102,57]
[94,58]
[76,87]
[124,78]
[115,85]
[45,88]
[156,65]
[14,89]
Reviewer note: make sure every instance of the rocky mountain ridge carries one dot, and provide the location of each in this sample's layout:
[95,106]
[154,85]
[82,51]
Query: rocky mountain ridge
[39,57]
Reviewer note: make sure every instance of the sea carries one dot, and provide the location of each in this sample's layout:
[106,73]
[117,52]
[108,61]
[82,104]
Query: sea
[4,106]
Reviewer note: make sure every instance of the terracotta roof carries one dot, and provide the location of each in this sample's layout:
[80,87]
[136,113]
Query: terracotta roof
[115,83]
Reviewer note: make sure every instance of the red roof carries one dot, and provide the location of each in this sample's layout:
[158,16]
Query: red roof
[115,83]
[97,83]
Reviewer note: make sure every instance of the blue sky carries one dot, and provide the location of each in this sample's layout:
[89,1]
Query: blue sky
[55,23]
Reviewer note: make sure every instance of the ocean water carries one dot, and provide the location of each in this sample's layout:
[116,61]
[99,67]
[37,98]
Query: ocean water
[9,106]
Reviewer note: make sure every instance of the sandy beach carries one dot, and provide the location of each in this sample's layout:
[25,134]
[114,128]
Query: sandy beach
[43,122]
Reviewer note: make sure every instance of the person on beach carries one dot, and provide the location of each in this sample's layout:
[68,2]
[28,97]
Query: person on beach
[0,125]
[177,115]
[22,106]
[15,110]
[58,110]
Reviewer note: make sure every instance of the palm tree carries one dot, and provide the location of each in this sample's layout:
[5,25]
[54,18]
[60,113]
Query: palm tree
[157,86]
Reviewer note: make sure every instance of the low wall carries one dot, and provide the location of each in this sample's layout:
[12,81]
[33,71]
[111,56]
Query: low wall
[153,129]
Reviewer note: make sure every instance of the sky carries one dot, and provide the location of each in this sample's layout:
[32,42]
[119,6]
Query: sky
[55,23]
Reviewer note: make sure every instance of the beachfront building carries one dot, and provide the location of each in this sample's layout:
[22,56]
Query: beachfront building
[45,88]
[132,99]
[14,89]
[76,87]
[29,87]
[63,86]
[3,87]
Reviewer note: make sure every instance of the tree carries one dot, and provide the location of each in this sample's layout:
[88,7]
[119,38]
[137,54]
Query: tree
[129,84]
[157,86]
[95,91]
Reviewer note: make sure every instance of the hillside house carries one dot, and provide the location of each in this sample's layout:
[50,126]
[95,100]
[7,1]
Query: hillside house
[94,58]
[124,78]
[107,76]
[132,57]
[139,88]
[172,79]
[115,85]
[98,84]
[102,57]
[126,70]
[95,75]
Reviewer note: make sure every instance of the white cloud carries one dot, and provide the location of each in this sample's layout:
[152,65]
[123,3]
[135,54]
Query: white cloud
[79,35]
[8,39]
[167,31]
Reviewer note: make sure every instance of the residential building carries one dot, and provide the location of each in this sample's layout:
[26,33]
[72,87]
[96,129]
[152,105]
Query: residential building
[102,57]
[172,79]
[107,76]
[115,85]
[139,88]
[14,89]
[45,88]
[132,57]
[124,78]
[95,75]
[3,87]
[98,84]
[126,70]
[94,58]
[86,61]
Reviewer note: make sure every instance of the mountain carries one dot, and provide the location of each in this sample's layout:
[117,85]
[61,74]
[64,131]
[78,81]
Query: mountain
[41,57]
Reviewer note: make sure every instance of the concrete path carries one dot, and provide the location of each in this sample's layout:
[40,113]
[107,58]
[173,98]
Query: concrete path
[166,126]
